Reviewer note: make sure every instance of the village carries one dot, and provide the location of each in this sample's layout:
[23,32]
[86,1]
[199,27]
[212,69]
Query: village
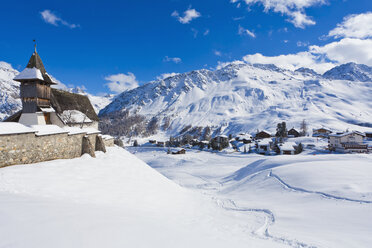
[283,142]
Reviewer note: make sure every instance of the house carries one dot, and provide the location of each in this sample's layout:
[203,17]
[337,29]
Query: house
[321,132]
[347,142]
[219,142]
[178,151]
[287,148]
[293,133]
[160,143]
[43,105]
[243,137]
[264,146]
[262,135]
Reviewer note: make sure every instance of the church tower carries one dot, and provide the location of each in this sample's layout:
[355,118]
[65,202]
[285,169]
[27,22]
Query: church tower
[35,92]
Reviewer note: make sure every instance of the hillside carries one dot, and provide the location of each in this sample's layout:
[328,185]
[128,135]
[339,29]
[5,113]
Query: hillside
[9,91]
[243,97]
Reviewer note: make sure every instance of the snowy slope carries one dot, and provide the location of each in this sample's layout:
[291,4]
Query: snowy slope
[98,101]
[308,200]
[114,200]
[9,91]
[242,97]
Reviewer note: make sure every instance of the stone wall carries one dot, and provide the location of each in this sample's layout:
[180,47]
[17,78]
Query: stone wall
[29,148]
[109,142]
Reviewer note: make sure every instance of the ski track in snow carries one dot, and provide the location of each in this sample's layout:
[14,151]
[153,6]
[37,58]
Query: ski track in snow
[263,232]
[326,195]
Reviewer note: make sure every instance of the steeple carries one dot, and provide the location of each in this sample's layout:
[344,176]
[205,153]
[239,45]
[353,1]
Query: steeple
[34,68]
[35,88]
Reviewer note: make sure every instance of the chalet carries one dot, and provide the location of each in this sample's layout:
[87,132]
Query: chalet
[347,142]
[243,137]
[264,146]
[178,151]
[43,105]
[262,135]
[321,132]
[160,144]
[293,132]
[287,148]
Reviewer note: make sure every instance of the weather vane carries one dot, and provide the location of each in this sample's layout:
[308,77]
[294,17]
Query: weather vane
[34,44]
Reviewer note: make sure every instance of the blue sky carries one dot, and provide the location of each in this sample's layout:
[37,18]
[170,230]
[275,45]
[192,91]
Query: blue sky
[125,43]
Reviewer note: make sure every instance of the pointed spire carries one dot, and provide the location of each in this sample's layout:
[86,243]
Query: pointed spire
[35,62]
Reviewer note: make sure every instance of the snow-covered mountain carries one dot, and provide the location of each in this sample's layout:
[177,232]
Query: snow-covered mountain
[98,101]
[350,71]
[243,97]
[9,92]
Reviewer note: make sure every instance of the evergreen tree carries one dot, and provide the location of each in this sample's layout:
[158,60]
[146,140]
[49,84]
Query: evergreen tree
[303,128]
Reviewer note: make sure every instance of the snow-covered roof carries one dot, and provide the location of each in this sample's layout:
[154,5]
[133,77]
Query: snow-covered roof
[222,136]
[30,73]
[14,128]
[287,146]
[244,136]
[264,142]
[74,116]
[347,133]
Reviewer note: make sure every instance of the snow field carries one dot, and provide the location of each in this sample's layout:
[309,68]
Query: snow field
[307,201]
[114,200]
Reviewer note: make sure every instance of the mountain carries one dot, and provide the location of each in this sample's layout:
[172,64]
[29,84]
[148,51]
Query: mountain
[239,97]
[351,72]
[9,92]
[98,102]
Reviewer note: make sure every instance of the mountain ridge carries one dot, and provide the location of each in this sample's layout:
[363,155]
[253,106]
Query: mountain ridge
[245,97]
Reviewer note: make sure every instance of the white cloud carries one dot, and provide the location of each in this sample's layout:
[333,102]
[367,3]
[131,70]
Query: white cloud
[347,50]
[187,17]
[217,53]
[174,59]
[51,18]
[166,75]
[354,26]
[121,82]
[294,9]
[292,61]
[206,32]
[302,43]
[320,58]
[243,31]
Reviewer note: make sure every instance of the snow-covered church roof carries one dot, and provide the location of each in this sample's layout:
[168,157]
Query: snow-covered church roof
[34,70]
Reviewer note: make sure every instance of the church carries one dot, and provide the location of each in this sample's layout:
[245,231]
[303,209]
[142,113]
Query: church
[44,105]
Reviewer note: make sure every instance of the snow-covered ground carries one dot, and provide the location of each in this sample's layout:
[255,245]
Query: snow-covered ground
[114,200]
[309,200]
[199,199]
